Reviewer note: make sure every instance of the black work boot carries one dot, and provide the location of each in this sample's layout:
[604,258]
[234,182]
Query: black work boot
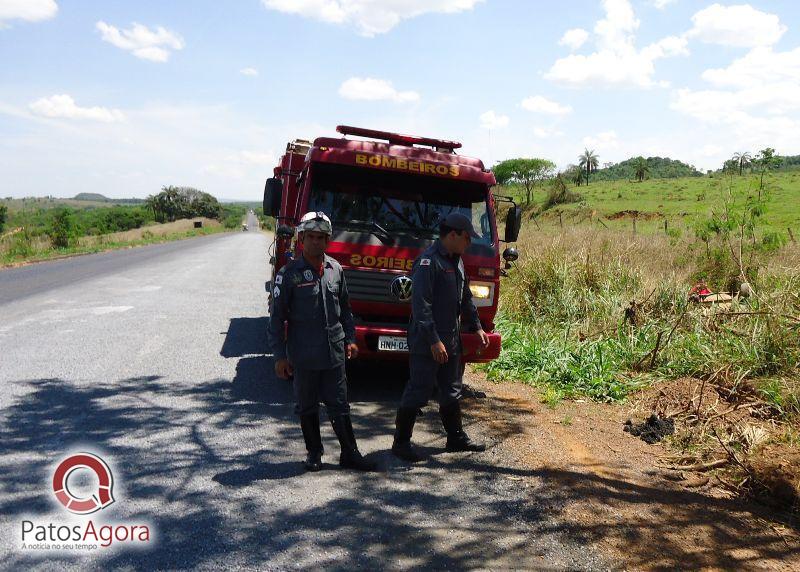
[404,427]
[310,426]
[351,457]
[457,439]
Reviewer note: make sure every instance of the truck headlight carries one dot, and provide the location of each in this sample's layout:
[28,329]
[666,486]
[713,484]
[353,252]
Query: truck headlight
[482,293]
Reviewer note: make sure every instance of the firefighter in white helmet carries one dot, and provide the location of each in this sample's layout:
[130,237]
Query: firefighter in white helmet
[310,295]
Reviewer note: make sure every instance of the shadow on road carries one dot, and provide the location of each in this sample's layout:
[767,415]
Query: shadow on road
[194,460]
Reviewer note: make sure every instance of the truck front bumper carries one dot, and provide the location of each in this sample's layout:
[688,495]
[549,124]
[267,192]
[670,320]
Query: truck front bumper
[367,340]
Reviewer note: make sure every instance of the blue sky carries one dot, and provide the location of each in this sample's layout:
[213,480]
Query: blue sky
[122,98]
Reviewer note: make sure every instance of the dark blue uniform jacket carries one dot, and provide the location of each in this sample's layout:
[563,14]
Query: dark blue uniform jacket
[440,298]
[318,313]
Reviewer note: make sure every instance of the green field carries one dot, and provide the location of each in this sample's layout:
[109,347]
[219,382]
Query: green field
[36,228]
[681,202]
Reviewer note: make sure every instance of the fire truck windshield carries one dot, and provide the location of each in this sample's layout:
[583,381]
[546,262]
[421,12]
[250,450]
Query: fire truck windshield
[396,208]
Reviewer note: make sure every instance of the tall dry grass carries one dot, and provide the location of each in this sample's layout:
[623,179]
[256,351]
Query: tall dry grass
[583,310]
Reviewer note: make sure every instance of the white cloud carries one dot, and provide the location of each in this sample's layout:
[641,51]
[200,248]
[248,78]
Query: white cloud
[251,72]
[667,47]
[755,101]
[710,150]
[729,106]
[615,31]
[758,67]
[546,133]
[616,61]
[141,41]
[240,165]
[661,4]
[369,17]
[539,104]
[28,10]
[605,140]
[740,26]
[491,120]
[574,38]
[63,106]
[372,89]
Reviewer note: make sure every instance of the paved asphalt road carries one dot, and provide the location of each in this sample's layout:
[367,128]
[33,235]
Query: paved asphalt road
[155,359]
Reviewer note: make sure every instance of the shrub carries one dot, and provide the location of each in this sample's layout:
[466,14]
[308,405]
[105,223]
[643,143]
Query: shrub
[62,228]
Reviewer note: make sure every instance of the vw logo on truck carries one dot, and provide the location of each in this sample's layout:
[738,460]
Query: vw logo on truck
[401,288]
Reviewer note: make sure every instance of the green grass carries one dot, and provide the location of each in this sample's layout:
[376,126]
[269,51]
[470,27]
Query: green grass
[679,201]
[11,258]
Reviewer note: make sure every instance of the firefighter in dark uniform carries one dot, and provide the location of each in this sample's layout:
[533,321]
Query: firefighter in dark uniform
[310,294]
[440,299]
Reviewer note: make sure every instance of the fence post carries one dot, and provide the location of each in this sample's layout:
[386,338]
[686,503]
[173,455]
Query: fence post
[791,235]
[561,219]
[634,224]
[666,228]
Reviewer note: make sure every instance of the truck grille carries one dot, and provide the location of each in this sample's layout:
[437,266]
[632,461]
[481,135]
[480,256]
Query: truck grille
[370,286]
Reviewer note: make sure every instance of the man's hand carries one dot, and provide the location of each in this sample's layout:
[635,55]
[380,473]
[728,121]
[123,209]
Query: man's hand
[439,352]
[351,350]
[484,339]
[283,369]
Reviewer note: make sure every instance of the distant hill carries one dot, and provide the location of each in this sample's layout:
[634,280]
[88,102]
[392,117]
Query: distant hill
[97,197]
[660,168]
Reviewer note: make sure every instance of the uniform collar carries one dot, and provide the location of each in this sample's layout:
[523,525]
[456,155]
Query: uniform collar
[326,262]
[443,251]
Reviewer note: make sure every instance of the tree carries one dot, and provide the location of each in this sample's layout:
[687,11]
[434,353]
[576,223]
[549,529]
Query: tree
[588,162]
[173,203]
[641,168]
[527,172]
[62,228]
[742,160]
[574,175]
[766,160]
[3,216]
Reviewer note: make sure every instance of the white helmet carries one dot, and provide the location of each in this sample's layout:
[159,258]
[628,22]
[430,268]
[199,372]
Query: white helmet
[315,221]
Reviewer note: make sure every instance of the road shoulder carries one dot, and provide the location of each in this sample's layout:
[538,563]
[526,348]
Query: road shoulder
[618,500]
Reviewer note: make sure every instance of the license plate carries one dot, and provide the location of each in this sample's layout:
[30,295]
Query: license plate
[392,344]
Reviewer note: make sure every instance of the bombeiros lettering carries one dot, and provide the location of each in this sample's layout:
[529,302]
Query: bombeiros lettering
[387,262]
[403,164]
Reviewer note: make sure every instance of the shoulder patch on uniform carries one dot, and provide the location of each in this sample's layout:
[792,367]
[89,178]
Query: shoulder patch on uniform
[276,291]
[425,262]
[279,279]
[308,275]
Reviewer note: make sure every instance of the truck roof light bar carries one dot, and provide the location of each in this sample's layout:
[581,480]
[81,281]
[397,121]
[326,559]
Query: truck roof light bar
[397,138]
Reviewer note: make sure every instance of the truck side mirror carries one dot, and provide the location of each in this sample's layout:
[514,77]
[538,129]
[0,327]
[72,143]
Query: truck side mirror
[513,223]
[272,197]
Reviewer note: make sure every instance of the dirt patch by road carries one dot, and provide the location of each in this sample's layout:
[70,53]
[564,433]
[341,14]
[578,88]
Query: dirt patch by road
[619,500]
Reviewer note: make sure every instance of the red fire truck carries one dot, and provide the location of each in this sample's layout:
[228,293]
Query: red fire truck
[385,195]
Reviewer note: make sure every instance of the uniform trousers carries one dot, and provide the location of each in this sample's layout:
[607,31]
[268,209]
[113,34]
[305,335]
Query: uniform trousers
[327,385]
[425,373]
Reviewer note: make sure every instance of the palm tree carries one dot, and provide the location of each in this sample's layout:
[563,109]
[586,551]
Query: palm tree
[640,168]
[588,162]
[742,160]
